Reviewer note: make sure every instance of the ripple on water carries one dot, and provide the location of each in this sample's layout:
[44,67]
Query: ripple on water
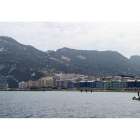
[68,105]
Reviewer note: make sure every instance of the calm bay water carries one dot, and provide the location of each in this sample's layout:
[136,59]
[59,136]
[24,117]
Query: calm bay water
[67,104]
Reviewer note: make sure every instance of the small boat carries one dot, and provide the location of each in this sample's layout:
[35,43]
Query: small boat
[136,97]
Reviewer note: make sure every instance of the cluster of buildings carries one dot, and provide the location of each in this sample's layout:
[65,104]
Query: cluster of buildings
[74,82]
[120,82]
[9,82]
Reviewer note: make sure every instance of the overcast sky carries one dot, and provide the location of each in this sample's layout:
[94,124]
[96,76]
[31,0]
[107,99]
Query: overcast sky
[121,37]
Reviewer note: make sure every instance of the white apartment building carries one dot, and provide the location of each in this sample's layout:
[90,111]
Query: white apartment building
[31,83]
[22,85]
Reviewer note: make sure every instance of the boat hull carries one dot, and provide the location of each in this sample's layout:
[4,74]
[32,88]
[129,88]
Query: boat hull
[136,98]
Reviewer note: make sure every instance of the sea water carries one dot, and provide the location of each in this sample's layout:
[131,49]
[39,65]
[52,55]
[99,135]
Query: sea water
[68,104]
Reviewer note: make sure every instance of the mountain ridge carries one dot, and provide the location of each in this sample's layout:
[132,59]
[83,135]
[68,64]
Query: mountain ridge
[22,61]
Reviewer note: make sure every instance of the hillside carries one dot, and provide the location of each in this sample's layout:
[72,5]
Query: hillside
[135,59]
[99,63]
[25,62]
[20,60]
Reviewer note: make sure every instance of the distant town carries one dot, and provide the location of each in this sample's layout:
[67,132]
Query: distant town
[64,81]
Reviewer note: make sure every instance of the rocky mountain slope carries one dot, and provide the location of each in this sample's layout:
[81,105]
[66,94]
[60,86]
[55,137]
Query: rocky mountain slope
[98,63]
[21,61]
[135,59]
[25,62]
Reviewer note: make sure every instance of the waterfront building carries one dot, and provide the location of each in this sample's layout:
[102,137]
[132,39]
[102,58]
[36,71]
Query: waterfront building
[133,83]
[82,84]
[46,82]
[121,84]
[118,85]
[3,82]
[35,84]
[138,84]
[32,84]
[100,85]
[75,84]
[29,84]
[87,84]
[91,84]
[114,84]
[106,85]
[12,82]
[22,85]
[64,83]
[59,83]
[103,85]
[130,83]
[54,80]
[72,84]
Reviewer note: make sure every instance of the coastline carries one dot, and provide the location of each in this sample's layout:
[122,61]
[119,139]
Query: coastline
[71,90]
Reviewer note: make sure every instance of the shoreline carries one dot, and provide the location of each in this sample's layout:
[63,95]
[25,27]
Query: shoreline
[69,90]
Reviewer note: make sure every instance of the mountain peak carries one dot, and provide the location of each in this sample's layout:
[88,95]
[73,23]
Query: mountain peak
[10,39]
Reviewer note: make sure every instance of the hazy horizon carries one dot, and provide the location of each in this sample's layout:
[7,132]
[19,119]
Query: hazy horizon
[122,37]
